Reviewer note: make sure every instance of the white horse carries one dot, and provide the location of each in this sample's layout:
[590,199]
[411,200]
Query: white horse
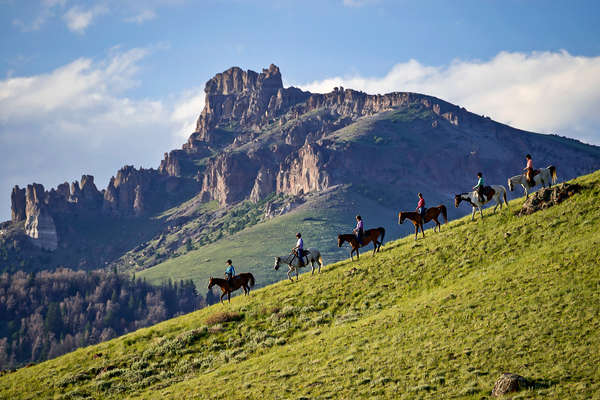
[473,199]
[313,256]
[547,176]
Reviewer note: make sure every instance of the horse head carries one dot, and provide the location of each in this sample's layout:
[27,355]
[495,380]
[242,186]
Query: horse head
[457,199]
[340,240]
[510,184]
[211,282]
[276,266]
[401,217]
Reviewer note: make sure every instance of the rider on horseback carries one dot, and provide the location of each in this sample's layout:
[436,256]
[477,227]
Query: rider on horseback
[529,170]
[479,187]
[359,230]
[230,271]
[299,249]
[421,206]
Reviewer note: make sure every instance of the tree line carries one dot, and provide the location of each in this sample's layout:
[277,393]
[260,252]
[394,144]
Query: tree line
[49,313]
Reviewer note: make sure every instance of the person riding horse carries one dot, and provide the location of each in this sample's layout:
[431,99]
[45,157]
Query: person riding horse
[359,231]
[529,174]
[299,249]
[230,271]
[479,187]
[421,206]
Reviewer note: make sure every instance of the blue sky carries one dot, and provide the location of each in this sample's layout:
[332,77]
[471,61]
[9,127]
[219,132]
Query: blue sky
[88,86]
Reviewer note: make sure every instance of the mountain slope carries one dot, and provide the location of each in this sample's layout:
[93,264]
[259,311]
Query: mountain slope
[439,318]
[261,143]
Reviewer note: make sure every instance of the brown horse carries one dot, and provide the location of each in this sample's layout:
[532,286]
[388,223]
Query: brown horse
[245,281]
[370,235]
[430,214]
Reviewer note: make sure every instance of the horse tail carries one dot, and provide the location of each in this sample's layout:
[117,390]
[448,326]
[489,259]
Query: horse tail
[382,233]
[321,262]
[251,278]
[444,213]
[553,173]
[504,194]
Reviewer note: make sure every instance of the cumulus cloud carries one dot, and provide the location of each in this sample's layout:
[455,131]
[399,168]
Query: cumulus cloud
[548,92]
[79,119]
[79,19]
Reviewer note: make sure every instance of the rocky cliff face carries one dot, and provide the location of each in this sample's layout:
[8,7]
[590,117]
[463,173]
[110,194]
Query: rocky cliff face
[39,223]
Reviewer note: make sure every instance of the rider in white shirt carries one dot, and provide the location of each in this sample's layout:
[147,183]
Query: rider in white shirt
[299,249]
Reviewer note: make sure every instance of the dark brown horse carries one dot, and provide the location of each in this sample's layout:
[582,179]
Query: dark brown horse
[430,214]
[245,281]
[370,235]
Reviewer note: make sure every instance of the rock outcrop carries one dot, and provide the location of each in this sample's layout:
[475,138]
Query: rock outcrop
[229,178]
[242,105]
[39,223]
[17,208]
[304,172]
[509,383]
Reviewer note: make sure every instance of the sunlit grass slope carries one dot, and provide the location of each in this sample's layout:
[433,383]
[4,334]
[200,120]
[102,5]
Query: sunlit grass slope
[254,248]
[440,318]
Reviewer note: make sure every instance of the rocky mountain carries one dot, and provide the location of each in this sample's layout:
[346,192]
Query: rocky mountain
[278,148]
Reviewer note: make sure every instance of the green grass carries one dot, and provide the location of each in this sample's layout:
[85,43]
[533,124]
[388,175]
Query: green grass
[439,318]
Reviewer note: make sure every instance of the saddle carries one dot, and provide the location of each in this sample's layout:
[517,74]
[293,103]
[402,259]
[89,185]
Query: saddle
[488,192]
[304,256]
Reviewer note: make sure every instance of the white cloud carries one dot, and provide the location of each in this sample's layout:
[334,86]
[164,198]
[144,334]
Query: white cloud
[549,92]
[78,119]
[78,19]
[45,11]
[143,16]
[186,111]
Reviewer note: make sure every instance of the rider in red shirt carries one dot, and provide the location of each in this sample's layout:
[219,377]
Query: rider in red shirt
[421,206]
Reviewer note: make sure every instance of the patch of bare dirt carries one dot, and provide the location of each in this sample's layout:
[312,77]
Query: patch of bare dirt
[548,197]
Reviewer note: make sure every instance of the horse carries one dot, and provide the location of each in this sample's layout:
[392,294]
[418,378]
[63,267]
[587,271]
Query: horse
[546,176]
[473,199]
[430,214]
[313,256]
[245,280]
[370,235]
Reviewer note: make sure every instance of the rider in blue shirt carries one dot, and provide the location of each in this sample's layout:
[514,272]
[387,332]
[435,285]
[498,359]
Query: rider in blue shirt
[230,271]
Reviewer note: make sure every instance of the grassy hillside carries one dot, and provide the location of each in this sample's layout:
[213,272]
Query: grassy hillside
[320,220]
[439,318]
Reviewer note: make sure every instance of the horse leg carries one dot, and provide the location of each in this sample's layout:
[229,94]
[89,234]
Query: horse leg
[289,276]
[223,295]
[416,230]
[374,246]
[312,267]
[422,230]
[473,214]
[296,274]
[480,212]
